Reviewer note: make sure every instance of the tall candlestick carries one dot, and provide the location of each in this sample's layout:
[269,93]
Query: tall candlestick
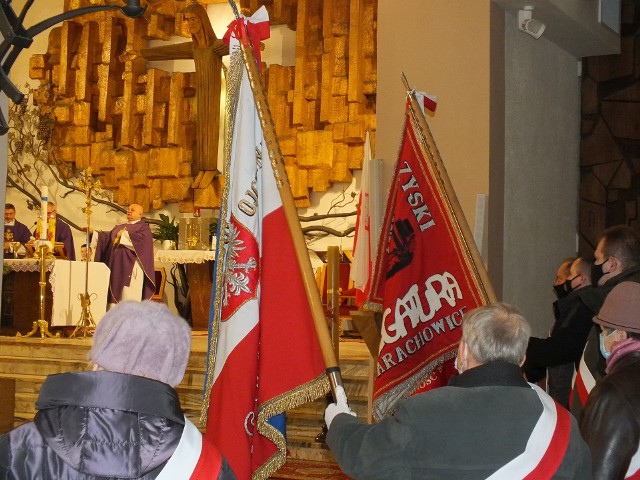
[44,222]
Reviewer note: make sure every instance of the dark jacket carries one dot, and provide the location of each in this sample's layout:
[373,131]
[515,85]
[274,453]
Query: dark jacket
[610,422]
[94,425]
[464,431]
[593,359]
[558,355]
[568,335]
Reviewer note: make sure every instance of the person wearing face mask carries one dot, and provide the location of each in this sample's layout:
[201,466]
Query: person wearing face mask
[487,423]
[617,260]
[561,278]
[559,354]
[610,422]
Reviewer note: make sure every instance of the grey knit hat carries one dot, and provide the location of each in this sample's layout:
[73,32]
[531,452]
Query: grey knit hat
[144,339]
[621,308]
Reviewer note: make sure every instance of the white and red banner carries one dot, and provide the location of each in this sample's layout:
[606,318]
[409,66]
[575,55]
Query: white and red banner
[266,354]
[424,279]
[363,244]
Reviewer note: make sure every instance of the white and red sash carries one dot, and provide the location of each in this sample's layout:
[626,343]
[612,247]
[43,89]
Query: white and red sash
[583,382]
[194,457]
[546,447]
[633,472]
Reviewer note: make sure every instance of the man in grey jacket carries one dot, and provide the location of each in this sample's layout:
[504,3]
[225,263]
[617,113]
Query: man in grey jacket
[123,419]
[487,423]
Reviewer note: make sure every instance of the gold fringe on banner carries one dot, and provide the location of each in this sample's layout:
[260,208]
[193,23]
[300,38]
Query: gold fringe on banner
[293,398]
[234,79]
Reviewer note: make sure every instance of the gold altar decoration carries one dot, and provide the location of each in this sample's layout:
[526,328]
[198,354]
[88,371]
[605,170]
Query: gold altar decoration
[41,325]
[134,125]
[86,324]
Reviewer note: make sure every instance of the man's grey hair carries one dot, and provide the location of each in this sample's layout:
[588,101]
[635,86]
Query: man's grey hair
[496,332]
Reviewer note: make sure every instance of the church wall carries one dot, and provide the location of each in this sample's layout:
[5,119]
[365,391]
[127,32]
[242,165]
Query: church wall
[511,125]
[443,48]
[542,131]
[282,42]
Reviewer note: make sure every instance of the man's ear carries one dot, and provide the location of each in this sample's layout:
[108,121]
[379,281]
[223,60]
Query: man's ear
[616,264]
[463,348]
[524,359]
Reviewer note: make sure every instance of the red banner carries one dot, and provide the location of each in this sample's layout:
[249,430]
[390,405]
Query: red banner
[425,280]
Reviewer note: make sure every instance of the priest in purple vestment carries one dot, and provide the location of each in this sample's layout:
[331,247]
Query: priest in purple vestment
[128,252]
[63,232]
[14,231]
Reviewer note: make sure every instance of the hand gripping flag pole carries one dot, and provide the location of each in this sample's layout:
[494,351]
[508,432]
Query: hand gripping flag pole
[284,188]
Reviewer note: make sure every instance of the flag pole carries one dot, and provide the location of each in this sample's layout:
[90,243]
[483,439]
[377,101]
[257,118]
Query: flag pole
[291,214]
[450,194]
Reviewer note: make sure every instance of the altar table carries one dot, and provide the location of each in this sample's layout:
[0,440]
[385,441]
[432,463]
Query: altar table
[198,276]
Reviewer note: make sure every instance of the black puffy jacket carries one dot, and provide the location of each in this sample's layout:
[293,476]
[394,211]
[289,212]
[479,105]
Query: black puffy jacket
[95,425]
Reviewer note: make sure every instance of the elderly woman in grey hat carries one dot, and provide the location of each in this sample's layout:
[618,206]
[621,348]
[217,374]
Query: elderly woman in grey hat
[123,419]
[611,420]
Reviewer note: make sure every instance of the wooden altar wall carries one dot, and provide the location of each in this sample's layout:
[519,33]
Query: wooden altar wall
[135,126]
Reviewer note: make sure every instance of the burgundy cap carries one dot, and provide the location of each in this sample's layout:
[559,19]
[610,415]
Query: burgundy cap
[621,308]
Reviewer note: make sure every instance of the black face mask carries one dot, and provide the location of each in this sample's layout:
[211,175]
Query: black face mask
[597,273]
[567,285]
[560,291]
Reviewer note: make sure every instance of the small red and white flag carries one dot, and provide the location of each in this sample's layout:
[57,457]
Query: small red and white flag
[264,353]
[426,101]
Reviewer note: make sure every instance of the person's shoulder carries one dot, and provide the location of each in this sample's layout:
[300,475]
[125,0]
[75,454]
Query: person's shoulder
[626,370]
[24,436]
[587,293]
[592,297]
[615,385]
[433,399]
[62,223]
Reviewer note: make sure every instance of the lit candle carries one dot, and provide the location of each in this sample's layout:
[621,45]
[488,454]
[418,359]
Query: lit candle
[44,222]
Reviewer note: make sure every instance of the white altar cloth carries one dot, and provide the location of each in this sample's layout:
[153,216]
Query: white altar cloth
[68,282]
[27,264]
[185,256]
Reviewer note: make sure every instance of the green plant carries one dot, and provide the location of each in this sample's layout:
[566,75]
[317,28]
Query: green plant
[213,227]
[167,229]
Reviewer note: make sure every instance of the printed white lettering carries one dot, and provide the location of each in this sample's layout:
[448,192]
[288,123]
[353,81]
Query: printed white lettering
[414,344]
[400,354]
[416,200]
[439,287]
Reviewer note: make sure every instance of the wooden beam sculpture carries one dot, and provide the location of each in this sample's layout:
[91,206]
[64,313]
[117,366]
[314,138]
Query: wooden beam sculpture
[138,126]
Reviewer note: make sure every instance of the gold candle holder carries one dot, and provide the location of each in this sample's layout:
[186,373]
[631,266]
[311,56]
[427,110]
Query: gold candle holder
[41,325]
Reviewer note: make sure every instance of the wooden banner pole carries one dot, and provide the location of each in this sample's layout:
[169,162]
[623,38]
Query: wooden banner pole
[291,213]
